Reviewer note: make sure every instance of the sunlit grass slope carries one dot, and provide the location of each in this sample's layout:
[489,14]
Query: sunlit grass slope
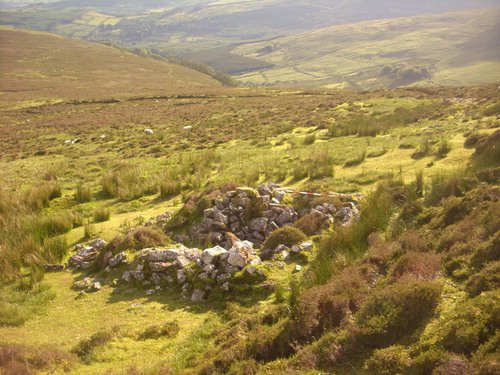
[41,66]
[451,49]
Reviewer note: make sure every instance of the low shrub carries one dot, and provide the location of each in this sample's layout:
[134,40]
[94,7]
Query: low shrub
[473,139]
[310,224]
[427,361]
[412,240]
[324,307]
[492,110]
[24,360]
[487,152]
[454,365]
[395,311]
[419,266]
[287,235]
[474,323]
[485,280]
[393,360]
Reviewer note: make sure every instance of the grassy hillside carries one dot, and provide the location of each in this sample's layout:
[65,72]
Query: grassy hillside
[44,67]
[422,253]
[448,49]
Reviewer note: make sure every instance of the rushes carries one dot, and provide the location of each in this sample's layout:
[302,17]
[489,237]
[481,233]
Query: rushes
[83,193]
[101,214]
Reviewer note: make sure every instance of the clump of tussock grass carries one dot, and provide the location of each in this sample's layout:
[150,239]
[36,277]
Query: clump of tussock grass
[167,330]
[318,165]
[101,214]
[86,347]
[83,193]
[443,148]
[309,139]
[38,197]
[20,304]
[351,241]
[355,161]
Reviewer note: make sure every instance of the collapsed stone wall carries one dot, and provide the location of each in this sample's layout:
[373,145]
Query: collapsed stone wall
[236,223]
[253,215]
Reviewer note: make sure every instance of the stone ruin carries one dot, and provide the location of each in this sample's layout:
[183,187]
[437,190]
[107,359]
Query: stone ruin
[252,215]
[236,224]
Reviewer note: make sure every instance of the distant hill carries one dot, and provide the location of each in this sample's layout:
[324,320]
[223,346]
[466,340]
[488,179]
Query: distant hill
[178,27]
[458,48]
[41,65]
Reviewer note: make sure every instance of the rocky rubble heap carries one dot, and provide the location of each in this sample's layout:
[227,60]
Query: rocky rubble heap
[185,266]
[253,214]
[86,254]
[249,214]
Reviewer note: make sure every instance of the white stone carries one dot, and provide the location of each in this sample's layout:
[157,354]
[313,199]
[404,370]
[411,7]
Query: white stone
[209,256]
[251,270]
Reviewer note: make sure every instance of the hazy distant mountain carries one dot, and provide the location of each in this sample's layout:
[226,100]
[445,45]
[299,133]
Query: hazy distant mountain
[209,31]
[458,48]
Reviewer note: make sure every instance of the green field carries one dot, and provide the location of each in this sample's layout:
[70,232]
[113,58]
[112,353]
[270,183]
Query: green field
[409,287]
[446,50]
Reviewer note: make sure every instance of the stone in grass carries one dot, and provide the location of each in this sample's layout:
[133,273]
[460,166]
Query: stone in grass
[297,268]
[306,246]
[53,267]
[160,266]
[98,244]
[82,284]
[150,292]
[210,256]
[251,270]
[155,278]
[126,276]
[197,295]
[237,259]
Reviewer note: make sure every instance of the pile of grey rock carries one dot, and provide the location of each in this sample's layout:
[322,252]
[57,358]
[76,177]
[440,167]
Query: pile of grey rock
[236,214]
[86,254]
[249,214]
[184,266]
